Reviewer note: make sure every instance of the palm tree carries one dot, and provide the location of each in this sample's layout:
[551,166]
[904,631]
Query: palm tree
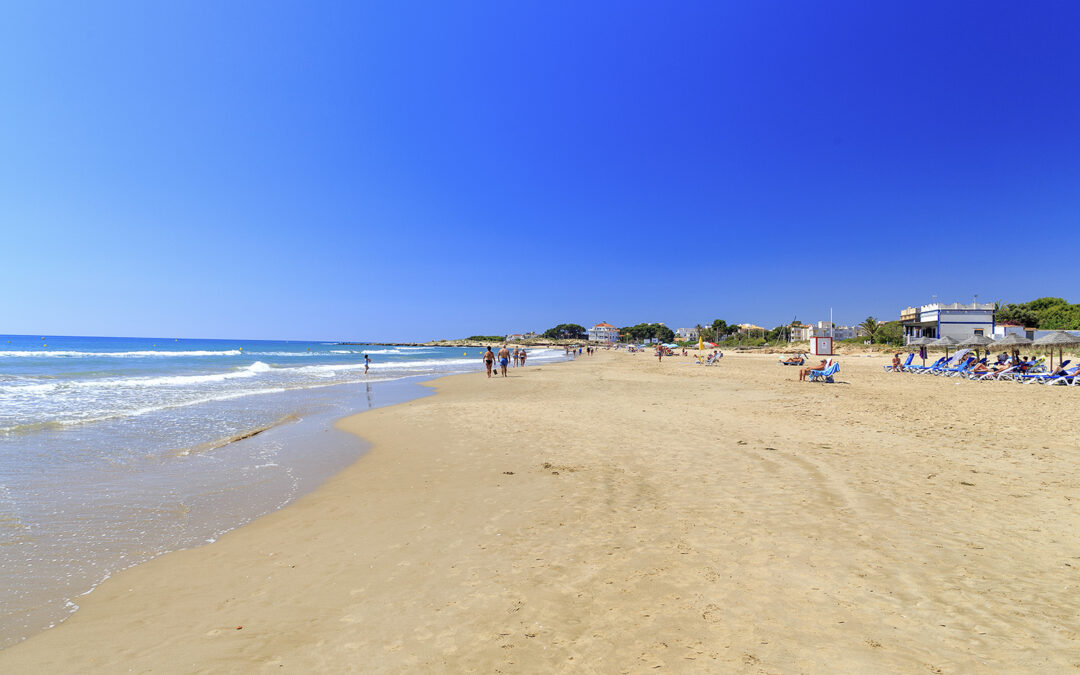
[700,331]
[870,327]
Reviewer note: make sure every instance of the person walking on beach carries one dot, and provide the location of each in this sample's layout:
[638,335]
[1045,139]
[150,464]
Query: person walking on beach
[517,357]
[489,361]
[522,356]
[504,360]
[367,363]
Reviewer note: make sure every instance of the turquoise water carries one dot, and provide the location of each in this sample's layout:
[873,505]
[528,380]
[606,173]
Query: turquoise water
[116,450]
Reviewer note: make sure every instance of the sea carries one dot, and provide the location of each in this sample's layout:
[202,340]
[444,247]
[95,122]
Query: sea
[114,451]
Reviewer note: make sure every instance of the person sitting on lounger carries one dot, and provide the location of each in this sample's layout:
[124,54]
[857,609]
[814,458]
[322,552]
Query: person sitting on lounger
[1058,372]
[805,372]
[896,362]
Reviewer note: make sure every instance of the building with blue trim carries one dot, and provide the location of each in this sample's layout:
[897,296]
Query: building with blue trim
[957,320]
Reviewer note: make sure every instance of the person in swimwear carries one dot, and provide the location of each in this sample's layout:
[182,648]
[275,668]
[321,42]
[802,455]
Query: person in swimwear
[521,355]
[504,360]
[489,361]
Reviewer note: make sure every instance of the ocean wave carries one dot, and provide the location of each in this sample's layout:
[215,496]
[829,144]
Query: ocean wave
[120,355]
[177,380]
[91,416]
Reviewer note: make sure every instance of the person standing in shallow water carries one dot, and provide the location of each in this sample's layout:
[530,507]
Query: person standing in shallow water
[367,363]
[489,361]
[504,360]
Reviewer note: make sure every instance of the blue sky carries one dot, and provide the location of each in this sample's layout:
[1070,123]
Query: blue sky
[407,171]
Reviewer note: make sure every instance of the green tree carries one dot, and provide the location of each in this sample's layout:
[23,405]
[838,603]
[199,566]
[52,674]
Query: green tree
[889,333]
[1060,317]
[652,331]
[1021,314]
[869,327]
[566,331]
[1042,304]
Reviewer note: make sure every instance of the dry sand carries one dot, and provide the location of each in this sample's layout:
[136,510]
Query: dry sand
[616,515]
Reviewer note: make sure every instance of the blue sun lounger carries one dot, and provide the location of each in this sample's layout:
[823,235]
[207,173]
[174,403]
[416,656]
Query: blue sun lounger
[904,367]
[919,370]
[825,375]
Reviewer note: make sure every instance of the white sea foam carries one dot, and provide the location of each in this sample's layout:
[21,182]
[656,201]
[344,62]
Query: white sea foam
[168,380]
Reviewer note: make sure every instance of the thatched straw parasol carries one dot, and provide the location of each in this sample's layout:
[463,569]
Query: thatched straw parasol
[1059,339]
[921,343]
[1013,342]
[945,342]
[974,341]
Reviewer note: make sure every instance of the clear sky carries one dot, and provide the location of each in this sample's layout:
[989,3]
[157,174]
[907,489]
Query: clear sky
[408,171]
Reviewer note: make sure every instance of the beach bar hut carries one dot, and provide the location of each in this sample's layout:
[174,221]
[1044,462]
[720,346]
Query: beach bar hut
[1059,339]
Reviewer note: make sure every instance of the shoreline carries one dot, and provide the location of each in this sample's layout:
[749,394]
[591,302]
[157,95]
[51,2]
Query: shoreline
[202,516]
[619,514]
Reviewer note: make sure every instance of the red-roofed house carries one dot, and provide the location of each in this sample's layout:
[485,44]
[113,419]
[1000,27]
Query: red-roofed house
[603,332]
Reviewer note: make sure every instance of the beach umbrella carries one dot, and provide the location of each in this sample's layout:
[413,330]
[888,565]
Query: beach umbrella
[945,342]
[921,343]
[1059,339]
[974,341]
[1012,342]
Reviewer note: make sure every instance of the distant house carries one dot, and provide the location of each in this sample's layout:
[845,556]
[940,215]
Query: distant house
[685,334]
[829,329]
[958,320]
[518,337]
[801,332]
[1001,330]
[603,332]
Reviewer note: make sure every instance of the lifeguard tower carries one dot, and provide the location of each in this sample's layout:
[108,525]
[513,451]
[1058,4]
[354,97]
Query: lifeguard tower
[821,346]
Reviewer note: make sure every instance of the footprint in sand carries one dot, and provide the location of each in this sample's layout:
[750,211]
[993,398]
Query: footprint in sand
[712,614]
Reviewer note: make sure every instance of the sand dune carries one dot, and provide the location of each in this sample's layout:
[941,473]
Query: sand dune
[619,515]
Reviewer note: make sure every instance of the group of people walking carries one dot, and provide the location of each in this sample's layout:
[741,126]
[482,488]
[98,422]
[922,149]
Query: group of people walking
[504,357]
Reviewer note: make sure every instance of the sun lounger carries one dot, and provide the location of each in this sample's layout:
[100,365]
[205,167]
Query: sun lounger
[1046,378]
[825,375]
[922,370]
[1070,378]
[905,365]
[956,370]
[1006,374]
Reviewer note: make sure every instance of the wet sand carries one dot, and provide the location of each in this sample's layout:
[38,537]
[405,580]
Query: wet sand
[619,515]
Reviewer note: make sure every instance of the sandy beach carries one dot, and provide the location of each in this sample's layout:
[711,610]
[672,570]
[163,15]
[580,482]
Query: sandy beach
[614,514]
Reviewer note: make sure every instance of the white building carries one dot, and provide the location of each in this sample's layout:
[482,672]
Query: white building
[603,332]
[957,320]
[829,329]
[685,334]
[1029,333]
